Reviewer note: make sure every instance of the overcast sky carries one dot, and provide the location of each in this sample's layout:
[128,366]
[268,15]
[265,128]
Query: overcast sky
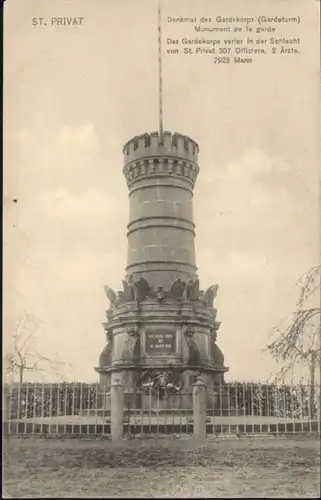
[75,95]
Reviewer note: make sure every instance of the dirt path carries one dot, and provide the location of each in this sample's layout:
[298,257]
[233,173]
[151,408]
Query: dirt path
[164,468]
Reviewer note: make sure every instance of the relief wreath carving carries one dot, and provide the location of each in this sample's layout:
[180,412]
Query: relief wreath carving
[160,383]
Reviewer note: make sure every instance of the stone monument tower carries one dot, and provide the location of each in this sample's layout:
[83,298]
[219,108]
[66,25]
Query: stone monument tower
[161,324]
[161,321]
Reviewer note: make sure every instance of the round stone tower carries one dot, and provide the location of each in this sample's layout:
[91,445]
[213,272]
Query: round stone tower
[160,179]
[161,322]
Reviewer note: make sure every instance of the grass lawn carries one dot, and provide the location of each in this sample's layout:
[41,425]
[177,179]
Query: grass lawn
[258,467]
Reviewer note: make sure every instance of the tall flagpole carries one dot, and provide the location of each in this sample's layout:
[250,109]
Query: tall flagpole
[160,81]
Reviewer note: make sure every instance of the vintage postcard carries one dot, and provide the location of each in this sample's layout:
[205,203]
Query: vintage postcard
[161,248]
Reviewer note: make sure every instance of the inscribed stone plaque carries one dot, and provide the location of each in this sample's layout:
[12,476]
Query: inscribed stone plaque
[160,342]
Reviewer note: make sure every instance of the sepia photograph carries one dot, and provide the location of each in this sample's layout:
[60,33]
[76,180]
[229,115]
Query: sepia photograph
[161,242]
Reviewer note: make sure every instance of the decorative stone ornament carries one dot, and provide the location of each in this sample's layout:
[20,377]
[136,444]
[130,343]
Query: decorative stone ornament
[191,355]
[142,289]
[160,295]
[132,344]
[177,290]
[192,289]
[217,357]
[210,294]
[133,330]
[105,359]
[111,295]
[188,331]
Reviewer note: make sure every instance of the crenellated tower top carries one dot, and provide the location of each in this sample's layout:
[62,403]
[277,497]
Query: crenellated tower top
[174,144]
[146,155]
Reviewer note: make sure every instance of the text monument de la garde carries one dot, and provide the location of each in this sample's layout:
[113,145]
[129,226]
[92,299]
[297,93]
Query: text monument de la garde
[161,327]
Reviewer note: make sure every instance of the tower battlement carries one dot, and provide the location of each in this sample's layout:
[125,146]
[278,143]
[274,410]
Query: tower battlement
[149,145]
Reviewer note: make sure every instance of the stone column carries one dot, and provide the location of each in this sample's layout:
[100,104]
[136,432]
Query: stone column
[104,392]
[5,405]
[199,409]
[187,389]
[117,411]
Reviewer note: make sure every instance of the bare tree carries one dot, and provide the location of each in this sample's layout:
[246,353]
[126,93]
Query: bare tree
[297,340]
[24,357]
